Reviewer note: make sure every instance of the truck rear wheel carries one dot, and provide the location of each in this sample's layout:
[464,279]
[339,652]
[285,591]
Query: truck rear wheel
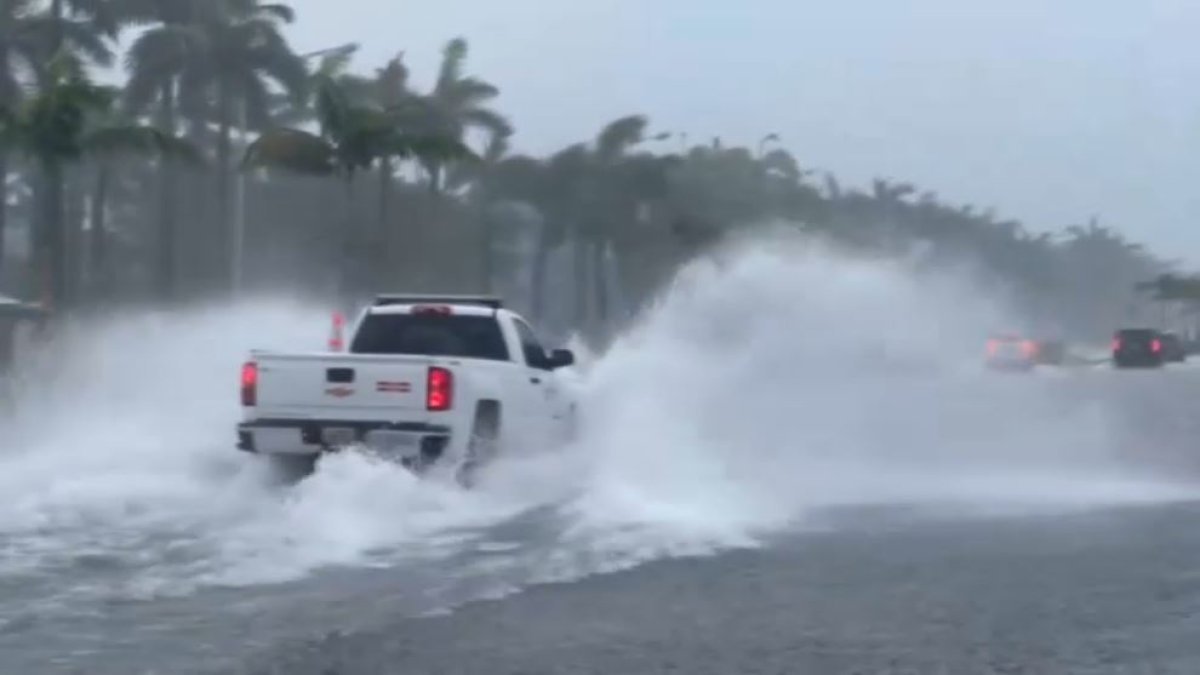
[483,444]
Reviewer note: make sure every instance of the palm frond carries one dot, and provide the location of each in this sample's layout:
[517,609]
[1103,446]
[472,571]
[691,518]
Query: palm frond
[291,150]
[454,57]
[166,47]
[428,148]
[8,127]
[256,101]
[392,82]
[10,87]
[242,10]
[278,11]
[20,8]
[78,36]
[157,58]
[358,90]
[619,135]
[332,107]
[140,140]
[497,148]
[492,122]
[335,64]
[276,60]
[104,16]
[468,92]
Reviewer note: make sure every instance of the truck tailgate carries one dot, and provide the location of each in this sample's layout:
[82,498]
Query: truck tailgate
[339,385]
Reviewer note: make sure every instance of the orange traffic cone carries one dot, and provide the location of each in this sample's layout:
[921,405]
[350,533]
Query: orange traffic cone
[336,341]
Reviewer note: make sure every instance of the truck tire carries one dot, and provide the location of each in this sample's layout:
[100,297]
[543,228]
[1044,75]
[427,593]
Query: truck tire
[483,444]
[291,469]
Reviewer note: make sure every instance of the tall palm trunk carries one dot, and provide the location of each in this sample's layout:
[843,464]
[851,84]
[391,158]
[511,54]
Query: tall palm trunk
[224,222]
[8,98]
[434,169]
[74,200]
[98,243]
[347,264]
[3,206]
[537,280]
[582,286]
[167,272]
[381,248]
[601,279]
[50,256]
[58,34]
[487,251]
[385,191]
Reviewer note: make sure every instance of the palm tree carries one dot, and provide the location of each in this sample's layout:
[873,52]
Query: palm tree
[353,138]
[155,64]
[20,51]
[55,128]
[28,36]
[456,104]
[115,135]
[216,62]
[388,90]
[590,196]
[83,27]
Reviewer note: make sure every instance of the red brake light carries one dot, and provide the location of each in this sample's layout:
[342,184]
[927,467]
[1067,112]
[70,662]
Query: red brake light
[991,347]
[432,309]
[1029,347]
[249,383]
[439,389]
[1116,344]
[1156,345]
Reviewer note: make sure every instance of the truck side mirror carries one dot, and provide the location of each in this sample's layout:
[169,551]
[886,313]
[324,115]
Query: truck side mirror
[561,358]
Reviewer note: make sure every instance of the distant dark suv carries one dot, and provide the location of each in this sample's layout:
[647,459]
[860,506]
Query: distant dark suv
[1138,348]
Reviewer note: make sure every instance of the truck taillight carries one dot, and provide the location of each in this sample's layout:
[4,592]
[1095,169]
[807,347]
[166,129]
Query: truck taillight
[439,389]
[1156,346]
[249,383]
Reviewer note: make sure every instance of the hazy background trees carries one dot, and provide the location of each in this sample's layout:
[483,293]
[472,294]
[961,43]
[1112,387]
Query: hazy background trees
[229,164]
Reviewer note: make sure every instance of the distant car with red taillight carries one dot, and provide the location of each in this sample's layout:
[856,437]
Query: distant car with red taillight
[448,381]
[1011,352]
[1138,348]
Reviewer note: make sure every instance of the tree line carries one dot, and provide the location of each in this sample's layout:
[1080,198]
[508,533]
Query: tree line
[226,162]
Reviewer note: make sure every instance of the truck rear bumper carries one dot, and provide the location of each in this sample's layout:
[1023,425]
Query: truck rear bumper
[419,442]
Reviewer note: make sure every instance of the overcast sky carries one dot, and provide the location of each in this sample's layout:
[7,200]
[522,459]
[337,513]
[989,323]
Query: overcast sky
[1048,110]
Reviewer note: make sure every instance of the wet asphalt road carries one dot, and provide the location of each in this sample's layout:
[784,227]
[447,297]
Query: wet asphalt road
[880,591]
[1113,592]
[864,591]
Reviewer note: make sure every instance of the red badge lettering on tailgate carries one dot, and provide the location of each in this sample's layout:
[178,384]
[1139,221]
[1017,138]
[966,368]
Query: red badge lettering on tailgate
[393,387]
[339,392]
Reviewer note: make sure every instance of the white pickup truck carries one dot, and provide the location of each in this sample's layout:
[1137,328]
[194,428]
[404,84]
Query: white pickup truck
[447,381]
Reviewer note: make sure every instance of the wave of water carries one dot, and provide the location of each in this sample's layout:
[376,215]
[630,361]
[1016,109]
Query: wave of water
[769,383]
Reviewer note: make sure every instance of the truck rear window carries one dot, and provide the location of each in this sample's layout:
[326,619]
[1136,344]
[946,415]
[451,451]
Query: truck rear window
[471,337]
